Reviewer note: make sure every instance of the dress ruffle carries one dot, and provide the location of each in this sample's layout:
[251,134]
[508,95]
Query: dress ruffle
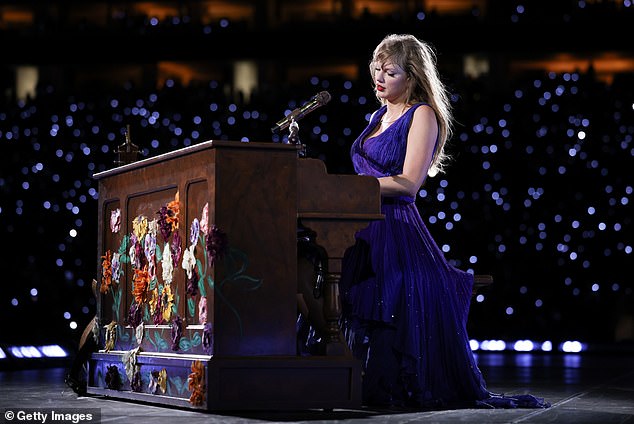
[405,307]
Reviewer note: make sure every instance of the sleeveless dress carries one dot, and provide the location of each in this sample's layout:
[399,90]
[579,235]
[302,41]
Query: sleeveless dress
[405,307]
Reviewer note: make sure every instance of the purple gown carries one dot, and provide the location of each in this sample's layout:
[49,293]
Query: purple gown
[405,307]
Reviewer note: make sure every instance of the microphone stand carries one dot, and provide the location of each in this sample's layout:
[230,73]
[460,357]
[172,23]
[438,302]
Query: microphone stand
[293,136]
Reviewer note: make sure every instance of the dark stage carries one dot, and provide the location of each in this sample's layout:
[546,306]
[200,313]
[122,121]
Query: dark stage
[582,388]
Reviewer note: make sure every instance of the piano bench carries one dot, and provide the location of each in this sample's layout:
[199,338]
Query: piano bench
[481,281]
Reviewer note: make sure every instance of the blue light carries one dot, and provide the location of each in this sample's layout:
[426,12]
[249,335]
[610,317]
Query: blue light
[474,344]
[53,351]
[571,347]
[493,345]
[30,352]
[523,346]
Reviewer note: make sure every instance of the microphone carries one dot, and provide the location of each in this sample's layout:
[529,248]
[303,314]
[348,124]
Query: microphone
[315,102]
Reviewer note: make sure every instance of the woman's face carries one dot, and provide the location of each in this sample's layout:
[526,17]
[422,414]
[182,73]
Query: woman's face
[390,82]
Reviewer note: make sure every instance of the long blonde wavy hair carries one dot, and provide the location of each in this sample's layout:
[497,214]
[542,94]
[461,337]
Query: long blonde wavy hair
[418,59]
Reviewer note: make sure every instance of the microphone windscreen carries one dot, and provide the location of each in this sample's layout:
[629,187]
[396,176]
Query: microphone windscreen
[323,97]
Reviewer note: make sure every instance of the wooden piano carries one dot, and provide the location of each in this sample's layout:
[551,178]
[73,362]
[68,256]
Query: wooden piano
[198,278]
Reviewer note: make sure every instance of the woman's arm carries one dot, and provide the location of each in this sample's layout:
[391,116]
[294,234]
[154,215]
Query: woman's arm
[421,140]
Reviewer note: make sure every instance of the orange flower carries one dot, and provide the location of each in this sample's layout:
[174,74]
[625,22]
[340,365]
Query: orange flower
[174,208]
[196,383]
[106,272]
[141,283]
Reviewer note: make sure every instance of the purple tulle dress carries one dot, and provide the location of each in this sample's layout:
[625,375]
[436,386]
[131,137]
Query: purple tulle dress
[405,307]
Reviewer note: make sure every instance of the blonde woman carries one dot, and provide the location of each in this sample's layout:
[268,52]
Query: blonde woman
[405,307]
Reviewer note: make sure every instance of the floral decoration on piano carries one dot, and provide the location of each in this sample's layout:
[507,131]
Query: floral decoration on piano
[196,383]
[106,272]
[115,220]
[154,250]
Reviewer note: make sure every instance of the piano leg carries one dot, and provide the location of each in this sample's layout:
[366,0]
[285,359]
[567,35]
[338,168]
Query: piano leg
[332,314]
[318,296]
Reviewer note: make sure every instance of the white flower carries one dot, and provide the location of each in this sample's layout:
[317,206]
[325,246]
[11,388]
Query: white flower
[153,227]
[115,220]
[139,332]
[133,258]
[189,260]
[168,265]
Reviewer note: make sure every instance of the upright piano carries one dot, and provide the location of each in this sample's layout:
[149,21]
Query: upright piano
[198,273]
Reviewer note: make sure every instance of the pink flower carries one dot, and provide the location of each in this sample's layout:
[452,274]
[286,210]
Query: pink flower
[204,220]
[202,310]
[115,220]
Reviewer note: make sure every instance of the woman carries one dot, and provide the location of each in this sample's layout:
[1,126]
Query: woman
[405,306]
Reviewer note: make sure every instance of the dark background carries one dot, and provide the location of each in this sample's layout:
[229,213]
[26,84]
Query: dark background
[538,192]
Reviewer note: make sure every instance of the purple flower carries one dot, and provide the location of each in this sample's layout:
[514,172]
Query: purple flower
[176,248]
[134,258]
[137,382]
[153,386]
[158,311]
[113,381]
[217,243]
[140,257]
[177,332]
[164,225]
[150,246]
[208,339]
[135,315]
[192,283]
[117,271]
[193,231]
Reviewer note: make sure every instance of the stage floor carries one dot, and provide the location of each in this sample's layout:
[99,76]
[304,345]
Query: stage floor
[593,388]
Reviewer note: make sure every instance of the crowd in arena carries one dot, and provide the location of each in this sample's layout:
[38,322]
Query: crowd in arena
[538,192]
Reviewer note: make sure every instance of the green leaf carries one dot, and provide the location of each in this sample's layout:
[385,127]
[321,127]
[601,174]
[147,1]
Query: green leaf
[185,345]
[191,307]
[123,247]
[197,340]
[179,384]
